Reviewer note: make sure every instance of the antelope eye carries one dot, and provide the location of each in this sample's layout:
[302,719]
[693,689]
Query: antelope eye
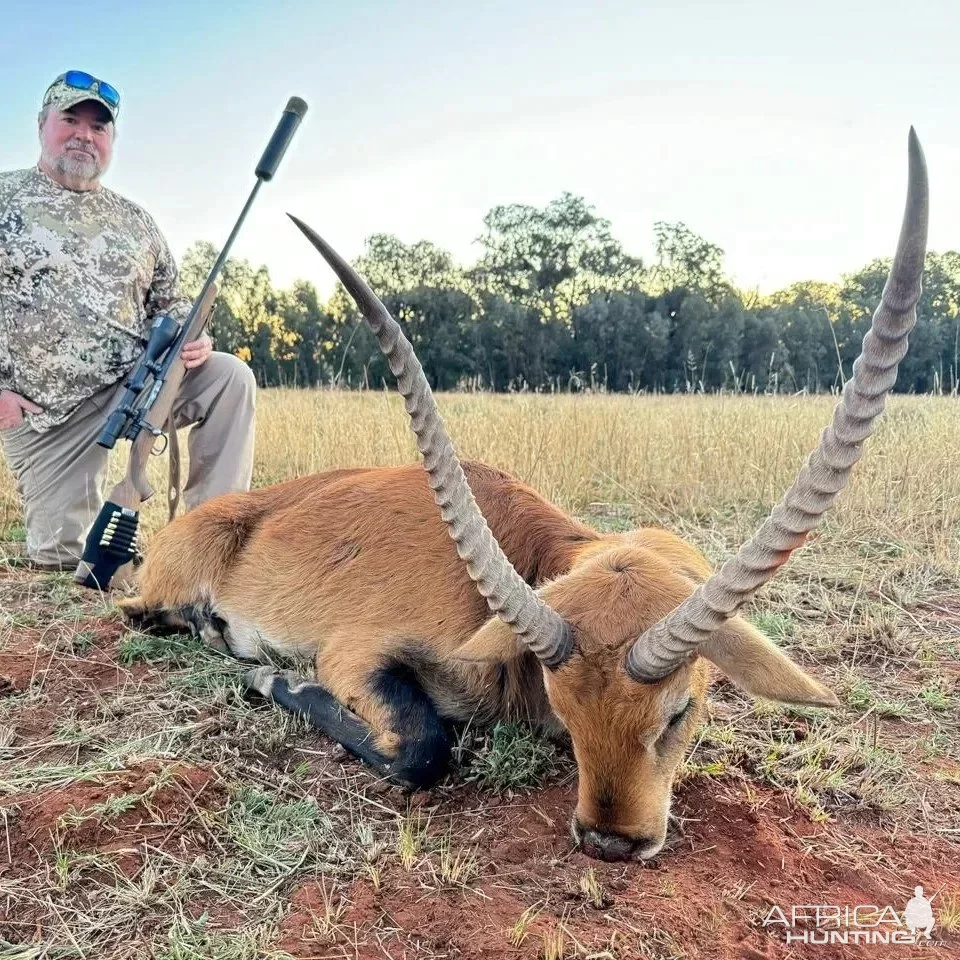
[680,714]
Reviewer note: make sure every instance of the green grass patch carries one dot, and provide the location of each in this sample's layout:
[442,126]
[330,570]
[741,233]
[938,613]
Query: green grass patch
[512,757]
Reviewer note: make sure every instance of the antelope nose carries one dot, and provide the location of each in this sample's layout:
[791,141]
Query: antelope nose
[614,846]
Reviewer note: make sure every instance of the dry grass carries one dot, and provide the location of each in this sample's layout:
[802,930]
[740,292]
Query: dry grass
[871,604]
[710,464]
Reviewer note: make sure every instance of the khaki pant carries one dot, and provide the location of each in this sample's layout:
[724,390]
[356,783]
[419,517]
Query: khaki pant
[60,473]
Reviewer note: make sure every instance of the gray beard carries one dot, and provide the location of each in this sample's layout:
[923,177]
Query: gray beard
[74,167]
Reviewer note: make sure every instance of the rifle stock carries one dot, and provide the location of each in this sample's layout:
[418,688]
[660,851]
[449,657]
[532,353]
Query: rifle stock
[162,407]
[123,505]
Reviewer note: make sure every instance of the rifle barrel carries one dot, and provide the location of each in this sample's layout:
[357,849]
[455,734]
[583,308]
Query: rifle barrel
[220,261]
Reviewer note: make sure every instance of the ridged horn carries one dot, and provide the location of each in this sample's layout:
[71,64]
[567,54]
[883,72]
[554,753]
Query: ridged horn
[508,596]
[661,649]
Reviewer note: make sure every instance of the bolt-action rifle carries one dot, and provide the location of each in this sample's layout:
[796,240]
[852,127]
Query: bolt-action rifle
[146,405]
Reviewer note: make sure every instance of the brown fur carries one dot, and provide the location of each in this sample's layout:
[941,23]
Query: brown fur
[355,569]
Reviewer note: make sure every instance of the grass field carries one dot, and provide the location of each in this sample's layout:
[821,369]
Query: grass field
[147,809]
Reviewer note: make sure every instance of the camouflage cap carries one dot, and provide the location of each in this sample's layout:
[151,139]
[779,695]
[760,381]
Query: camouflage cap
[63,96]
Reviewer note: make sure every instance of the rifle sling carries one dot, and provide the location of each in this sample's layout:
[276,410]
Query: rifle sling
[173,443]
[173,492]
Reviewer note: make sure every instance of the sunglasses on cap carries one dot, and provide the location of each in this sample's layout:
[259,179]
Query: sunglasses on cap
[80,80]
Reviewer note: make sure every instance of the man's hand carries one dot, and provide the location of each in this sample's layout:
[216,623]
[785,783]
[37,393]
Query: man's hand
[12,406]
[196,352]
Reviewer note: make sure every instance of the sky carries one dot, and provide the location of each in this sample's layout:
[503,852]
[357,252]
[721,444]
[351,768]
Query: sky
[776,130]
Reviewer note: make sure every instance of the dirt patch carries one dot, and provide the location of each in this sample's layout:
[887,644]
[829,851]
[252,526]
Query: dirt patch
[117,812]
[734,856]
[945,608]
[39,658]
[54,633]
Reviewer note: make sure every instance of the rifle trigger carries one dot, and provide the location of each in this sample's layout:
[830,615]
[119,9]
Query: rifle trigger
[153,450]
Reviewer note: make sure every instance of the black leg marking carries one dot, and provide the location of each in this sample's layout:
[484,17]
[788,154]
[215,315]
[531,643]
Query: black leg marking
[201,621]
[148,620]
[321,708]
[424,753]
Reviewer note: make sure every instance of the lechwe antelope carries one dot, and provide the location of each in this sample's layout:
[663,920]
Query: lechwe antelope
[604,636]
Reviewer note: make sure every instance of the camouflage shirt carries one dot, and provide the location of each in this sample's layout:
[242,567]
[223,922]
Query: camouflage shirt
[82,274]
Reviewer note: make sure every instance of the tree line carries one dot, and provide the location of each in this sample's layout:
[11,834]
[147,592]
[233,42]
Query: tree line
[555,303]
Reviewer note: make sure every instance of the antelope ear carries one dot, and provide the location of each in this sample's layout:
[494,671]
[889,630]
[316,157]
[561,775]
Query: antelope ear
[755,664]
[494,642]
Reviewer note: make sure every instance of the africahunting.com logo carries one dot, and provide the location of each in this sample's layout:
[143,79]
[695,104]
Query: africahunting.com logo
[869,924]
